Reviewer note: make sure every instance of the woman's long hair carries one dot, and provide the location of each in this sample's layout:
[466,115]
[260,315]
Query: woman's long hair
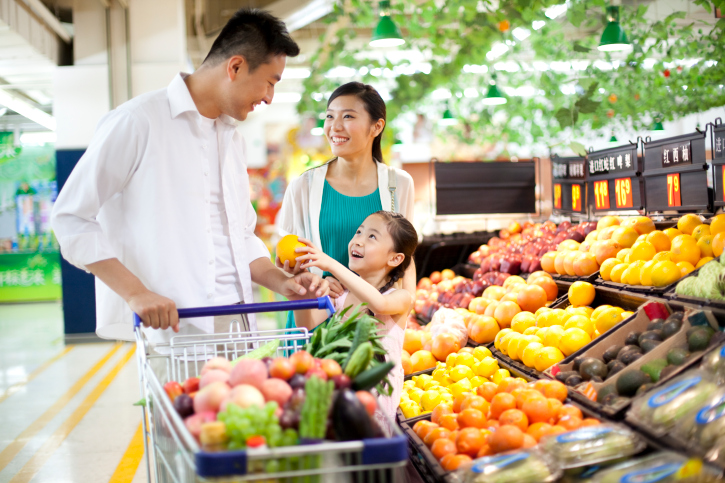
[374,105]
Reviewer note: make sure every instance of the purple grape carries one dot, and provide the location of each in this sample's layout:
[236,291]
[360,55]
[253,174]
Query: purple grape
[298,381]
[342,381]
[289,420]
[184,405]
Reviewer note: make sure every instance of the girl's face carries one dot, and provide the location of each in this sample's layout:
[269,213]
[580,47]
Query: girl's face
[372,247]
[348,127]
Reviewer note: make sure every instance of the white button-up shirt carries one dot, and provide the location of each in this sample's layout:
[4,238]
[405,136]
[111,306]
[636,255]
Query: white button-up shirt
[140,193]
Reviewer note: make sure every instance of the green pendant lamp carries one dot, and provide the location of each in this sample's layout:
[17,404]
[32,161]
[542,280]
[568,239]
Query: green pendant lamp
[613,139]
[657,126]
[386,33]
[448,118]
[319,128]
[613,38]
[494,96]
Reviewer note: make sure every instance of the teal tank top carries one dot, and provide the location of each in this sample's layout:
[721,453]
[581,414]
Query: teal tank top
[340,217]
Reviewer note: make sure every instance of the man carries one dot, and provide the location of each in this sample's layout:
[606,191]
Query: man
[158,208]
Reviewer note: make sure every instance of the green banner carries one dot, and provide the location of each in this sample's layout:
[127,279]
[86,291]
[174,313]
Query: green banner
[30,277]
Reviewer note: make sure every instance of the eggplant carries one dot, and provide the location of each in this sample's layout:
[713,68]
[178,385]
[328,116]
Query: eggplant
[349,417]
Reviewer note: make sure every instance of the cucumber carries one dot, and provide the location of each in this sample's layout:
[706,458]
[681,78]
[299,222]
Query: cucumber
[367,380]
[359,360]
[267,350]
[362,333]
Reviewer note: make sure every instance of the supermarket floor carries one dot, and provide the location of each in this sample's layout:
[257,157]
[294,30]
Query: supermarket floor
[66,411]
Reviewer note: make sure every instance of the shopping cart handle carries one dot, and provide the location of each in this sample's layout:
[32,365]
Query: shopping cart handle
[321,303]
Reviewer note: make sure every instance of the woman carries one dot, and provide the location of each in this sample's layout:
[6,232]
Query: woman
[327,204]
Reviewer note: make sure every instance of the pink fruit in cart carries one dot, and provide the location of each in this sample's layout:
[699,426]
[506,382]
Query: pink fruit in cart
[331,368]
[282,368]
[191,385]
[249,371]
[213,375]
[302,361]
[367,400]
[216,363]
[276,390]
[210,397]
[244,396]
[316,371]
[173,390]
[193,423]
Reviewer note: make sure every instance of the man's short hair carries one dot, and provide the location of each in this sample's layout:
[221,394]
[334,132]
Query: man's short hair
[254,34]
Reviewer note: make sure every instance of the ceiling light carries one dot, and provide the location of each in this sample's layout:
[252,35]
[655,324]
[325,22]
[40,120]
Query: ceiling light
[494,96]
[386,33]
[613,139]
[448,119]
[27,110]
[556,11]
[37,138]
[521,34]
[538,24]
[657,126]
[613,38]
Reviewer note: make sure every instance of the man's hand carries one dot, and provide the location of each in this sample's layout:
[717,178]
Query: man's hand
[336,288]
[305,285]
[294,271]
[155,310]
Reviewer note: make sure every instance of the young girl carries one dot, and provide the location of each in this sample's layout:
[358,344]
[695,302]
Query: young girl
[380,252]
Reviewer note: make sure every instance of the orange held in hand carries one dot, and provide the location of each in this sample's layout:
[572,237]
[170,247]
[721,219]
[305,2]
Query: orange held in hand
[286,249]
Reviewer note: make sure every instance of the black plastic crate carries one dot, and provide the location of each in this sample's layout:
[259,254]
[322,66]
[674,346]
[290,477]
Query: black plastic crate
[641,289]
[572,278]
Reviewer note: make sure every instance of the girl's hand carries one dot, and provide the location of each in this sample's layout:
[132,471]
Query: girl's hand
[313,257]
[294,271]
[336,288]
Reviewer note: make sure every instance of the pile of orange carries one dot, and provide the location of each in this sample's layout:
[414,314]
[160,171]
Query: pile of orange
[498,418]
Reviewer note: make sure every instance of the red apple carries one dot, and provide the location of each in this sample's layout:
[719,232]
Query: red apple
[173,390]
[191,385]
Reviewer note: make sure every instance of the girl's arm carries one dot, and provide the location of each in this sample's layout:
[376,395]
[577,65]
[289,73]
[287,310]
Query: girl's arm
[397,302]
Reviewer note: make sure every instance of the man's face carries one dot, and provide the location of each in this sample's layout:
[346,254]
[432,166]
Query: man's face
[247,90]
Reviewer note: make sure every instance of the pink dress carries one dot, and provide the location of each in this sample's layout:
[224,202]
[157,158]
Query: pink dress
[392,342]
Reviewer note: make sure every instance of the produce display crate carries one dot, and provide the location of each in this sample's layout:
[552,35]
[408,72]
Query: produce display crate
[571,279]
[419,373]
[465,269]
[176,456]
[428,466]
[616,337]
[717,150]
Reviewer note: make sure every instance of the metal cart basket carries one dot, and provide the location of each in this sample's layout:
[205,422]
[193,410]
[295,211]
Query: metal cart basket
[176,456]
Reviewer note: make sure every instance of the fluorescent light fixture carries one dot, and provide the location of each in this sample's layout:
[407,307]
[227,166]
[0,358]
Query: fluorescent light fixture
[521,34]
[470,92]
[341,72]
[314,10]
[567,89]
[538,24]
[319,128]
[37,138]
[286,97]
[296,73]
[556,11]
[25,109]
[475,69]
[497,50]
[440,93]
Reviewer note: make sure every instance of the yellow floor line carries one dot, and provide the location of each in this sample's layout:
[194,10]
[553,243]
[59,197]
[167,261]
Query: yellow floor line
[126,469]
[56,439]
[7,455]
[15,387]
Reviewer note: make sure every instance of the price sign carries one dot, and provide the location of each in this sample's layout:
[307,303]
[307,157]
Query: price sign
[723,181]
[673,190]
[623,192]
[557,196]
[601,195]
[718,141]
[576,197]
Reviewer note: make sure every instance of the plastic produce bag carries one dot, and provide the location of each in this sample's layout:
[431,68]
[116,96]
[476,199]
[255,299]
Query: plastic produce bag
[592,445]
[662,467]
[704,426]
[662,408]
[525,466]
[714,362]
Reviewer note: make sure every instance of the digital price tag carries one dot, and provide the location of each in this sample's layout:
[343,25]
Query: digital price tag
[601,195]
[673,190]
[723,181]
[623,192]
[557,196]
[576,197]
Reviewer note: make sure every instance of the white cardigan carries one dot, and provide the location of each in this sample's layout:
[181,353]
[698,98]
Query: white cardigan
[300,212]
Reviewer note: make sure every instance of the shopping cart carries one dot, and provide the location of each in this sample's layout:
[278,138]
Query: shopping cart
[175,455]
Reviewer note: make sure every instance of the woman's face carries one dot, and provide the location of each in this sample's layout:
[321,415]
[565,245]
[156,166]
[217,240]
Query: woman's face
[348,127]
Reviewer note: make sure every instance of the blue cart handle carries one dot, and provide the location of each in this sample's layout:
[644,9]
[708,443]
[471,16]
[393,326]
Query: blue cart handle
[322,303]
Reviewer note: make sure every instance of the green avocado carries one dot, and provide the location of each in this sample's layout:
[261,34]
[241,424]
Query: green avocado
[630,381]
[671,327]
[649,344]
[611,353]
[592,368]
[654,368]
[677,356]
[699,339]
[604,391]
